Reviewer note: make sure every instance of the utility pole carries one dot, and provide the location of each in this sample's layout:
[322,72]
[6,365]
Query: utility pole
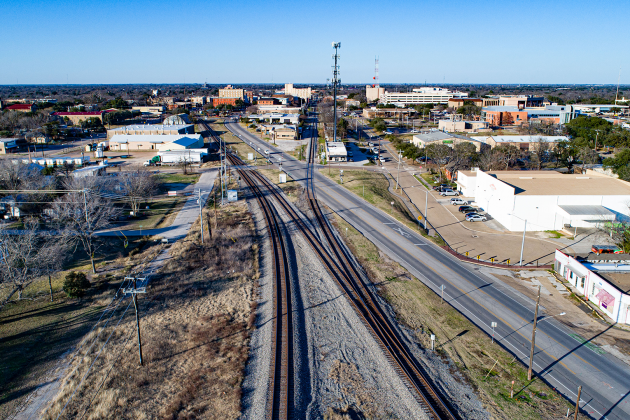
[531,351]
[200,215]
[577,403]
[134,292]
[523,242]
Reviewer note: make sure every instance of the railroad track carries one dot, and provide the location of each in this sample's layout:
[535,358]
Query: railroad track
[280,403]
[346,274]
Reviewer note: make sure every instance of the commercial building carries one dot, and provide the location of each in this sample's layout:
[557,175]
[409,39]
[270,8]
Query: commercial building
[467,182]
[150,110]
[230,92]
[432,137]
[603,279]
[512,115]
[304,93]
[22,107]
[277,118]
[336,152]
[525,143]
[281,132]
[549,200]
[424,95]
[387,112]
[522,101]
[457,103]
[224,101]
[590,108]
[268,101]
[78,117]
[131,142]
[155,129]
[179,119]
[463,126]
[9,145]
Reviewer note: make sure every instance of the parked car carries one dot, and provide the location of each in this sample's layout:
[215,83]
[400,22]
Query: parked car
[446,192]
[439,188]
[467,209]
[266,152]
[382,159]
[475,217]
[458,201]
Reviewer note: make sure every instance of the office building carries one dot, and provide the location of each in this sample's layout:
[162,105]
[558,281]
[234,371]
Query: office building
[424,95]
[304,93]
[512,115]
[525,143]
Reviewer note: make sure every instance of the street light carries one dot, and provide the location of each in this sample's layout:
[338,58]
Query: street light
[523,242]
[399,160]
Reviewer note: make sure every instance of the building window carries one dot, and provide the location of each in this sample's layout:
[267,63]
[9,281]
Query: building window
[581,282]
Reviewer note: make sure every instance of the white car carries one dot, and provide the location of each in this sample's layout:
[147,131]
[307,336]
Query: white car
[382,159]
[266,152]
[458,201]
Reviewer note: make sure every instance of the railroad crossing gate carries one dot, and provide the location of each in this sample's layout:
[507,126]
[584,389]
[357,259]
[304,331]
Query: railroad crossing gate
[232,195]
[283,178]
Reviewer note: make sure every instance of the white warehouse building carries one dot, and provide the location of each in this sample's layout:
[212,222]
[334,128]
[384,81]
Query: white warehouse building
[547,200]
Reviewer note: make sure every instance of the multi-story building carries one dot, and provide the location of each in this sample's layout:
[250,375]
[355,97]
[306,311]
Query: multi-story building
[525,143]
[153,110]
[372,93]
[230,92]
[424,95]
[512,115]
[304,93]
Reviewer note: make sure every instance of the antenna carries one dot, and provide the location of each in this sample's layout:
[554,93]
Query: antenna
[376,73]
[336,81]
[617,94]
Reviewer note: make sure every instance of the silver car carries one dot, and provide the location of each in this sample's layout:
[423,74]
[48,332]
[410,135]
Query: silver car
[476,218]
[445,193]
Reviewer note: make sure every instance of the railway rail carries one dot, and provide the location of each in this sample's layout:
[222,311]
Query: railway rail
[341,267]
[280,403]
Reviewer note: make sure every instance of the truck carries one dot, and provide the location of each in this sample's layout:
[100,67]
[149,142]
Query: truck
[154,161]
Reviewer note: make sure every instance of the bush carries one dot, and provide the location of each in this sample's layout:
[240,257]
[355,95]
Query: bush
[75,284]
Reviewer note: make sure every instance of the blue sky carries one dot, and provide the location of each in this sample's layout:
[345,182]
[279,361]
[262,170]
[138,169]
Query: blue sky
[279,41]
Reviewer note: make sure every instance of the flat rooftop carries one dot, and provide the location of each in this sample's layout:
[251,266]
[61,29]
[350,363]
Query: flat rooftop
[621,280]
[555,183]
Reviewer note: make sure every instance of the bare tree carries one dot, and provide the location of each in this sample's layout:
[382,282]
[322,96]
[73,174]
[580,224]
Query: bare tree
[25,257]
[137,186]
[507,154]
[439,153]
[588,156]
[253,109]
[83,212]
[540,150]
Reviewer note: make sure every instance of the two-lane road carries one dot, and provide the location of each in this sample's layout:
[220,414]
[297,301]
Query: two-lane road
[561,359]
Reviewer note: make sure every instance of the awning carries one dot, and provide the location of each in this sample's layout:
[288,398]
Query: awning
[605,298]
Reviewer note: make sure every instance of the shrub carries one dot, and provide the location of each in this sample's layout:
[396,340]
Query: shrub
[75,284]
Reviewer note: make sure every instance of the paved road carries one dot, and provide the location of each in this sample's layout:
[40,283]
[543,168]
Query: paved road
[184,219]
[562,358]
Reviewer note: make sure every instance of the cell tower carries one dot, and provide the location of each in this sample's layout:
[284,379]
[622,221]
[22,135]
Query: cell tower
[336,83]
[376,73]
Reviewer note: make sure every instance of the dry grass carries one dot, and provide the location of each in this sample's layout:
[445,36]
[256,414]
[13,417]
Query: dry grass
[457,339]
[195,324]
[291,188]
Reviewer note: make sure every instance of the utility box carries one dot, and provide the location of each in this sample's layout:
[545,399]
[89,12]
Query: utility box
[283,178]
[250,156]
[232,195]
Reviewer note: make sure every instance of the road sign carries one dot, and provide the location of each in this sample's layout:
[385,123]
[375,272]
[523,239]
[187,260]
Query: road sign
[419,217]
[250,156]
[283,178]
[478,256]
[232,195]
[508,261]
[492,259]
[466,253]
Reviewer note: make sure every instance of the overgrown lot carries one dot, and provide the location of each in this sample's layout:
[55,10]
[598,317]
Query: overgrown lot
[195,326]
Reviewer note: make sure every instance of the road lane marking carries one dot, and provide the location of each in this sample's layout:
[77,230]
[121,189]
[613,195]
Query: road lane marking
[483,306]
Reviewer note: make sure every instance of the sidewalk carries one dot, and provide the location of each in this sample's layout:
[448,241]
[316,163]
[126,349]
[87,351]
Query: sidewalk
[184,219]
[489,240]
